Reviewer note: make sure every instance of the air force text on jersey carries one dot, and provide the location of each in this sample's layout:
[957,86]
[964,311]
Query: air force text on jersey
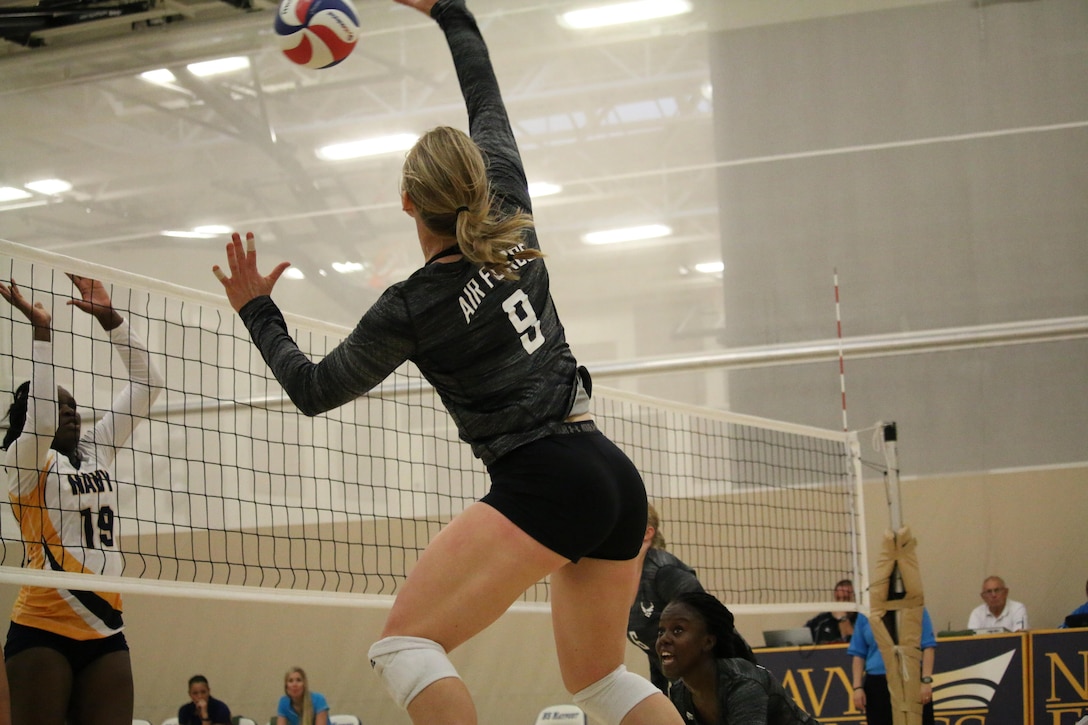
[478,287]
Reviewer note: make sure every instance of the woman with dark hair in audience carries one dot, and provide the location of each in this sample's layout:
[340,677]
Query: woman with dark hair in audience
[714,681]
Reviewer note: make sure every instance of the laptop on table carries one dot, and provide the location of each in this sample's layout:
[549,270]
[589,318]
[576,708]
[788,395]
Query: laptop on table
[795,637]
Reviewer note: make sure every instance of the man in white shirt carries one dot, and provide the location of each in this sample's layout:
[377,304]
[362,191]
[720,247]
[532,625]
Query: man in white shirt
[998,611]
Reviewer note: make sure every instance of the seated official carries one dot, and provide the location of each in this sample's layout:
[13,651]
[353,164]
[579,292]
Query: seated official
[833,627]
[998,611]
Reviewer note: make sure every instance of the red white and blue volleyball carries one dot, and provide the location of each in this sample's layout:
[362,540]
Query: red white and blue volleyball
[317,33]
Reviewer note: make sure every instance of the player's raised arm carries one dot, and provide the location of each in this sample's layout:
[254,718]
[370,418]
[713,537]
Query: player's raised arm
[489,124]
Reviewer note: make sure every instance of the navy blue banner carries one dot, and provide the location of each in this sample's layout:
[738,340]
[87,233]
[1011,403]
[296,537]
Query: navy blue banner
[1059,676]
[979,680]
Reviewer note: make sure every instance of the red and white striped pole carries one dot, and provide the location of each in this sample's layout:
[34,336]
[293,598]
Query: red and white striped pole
[842,366]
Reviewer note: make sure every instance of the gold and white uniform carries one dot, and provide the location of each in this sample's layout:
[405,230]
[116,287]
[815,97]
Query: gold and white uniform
[68,514]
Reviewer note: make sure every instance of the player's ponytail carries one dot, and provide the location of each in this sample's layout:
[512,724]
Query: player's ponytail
[445,176]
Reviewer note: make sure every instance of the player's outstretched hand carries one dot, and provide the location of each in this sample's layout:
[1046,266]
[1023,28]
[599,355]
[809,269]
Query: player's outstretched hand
[245,281]
[36,313]
[94,300]
[423,6]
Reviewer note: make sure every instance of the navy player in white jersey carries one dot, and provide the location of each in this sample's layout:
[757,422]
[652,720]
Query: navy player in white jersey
[67,658]
[478,321]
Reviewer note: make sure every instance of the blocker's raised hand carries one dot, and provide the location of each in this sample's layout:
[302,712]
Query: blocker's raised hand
[94,299]
[34,312]
[245,281]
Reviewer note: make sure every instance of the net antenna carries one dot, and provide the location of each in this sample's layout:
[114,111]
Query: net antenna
[842,364]
[227,491]
[860,591]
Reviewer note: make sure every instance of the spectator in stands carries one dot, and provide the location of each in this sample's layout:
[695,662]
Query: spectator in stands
[870,678]
[714,682]
[204,709]
[1081,611]
[299,706]
[997,610]
[832,627]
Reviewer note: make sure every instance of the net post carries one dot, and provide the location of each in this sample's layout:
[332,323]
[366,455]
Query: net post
[860,544]
[891,458]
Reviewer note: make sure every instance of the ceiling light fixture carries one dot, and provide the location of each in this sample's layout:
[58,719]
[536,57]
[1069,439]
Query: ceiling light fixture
[623,12]
[627,234]
[205,68]
[347,267]
[543,188]
[367,147]
[710,267]
[49,186]
[214,229]
[10,193]
[178,234]
[160,76]
[293,273]
[219,65]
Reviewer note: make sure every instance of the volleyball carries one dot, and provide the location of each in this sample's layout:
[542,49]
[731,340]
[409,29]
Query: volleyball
[317,33]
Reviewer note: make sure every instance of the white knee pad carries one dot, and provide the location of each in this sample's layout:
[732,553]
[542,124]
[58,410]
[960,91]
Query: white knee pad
[610,698]
[406,665]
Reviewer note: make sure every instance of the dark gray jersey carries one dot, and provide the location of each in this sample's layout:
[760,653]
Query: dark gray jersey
[747,694]
[663,577]
[494,349]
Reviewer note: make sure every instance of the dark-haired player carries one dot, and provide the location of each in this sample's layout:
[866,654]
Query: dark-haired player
[66,654]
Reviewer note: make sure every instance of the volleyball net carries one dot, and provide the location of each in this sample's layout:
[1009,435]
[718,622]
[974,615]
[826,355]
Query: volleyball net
[227,488]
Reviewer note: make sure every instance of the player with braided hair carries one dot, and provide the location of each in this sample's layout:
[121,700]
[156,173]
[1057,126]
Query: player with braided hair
[664,576]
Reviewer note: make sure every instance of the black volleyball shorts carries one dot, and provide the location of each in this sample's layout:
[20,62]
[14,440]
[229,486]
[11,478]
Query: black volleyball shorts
[575,492]
[79,653]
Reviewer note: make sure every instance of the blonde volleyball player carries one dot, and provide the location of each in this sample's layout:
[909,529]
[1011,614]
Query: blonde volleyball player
[66,654]
[478,320]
